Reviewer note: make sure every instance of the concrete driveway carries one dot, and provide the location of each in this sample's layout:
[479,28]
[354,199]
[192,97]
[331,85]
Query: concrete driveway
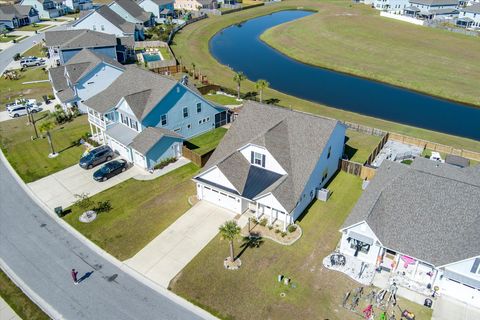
[59,189]
[447,308]
[165,256]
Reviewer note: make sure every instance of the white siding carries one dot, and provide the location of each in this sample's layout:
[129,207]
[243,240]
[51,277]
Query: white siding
[95,22]
[216,176]
[363,229]
[270,162]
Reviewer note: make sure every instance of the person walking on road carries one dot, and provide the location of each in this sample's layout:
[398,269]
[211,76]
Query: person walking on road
[74,276]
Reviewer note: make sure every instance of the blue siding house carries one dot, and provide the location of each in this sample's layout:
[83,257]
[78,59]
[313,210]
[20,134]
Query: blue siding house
[145,116]
[47,9]
[132,12]
[159,8]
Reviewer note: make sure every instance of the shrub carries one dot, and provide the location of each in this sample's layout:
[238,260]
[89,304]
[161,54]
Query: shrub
[263,222]
[292,228]
[283,234]
[164,163]
[103,206]
[17,57]
[408,161]
[277,230]
[270,227]
[212,92]
[83,201]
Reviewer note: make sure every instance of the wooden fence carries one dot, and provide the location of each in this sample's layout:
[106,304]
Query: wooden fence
[199,160]
[365,129]
[357,169]
[377,150]
[169,69]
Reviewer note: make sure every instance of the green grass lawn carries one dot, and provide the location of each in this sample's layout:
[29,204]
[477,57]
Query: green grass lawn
[359,146]
[7,38]
[14,89]
[191,44]
[18,301]
[35,51]
[141,210]
[252,292]
[222,99]
[165,53]
[30,158]
[207,141]
[31,27]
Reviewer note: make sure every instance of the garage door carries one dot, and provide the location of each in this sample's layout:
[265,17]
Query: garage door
[123,151]
[139,159]
[222,199]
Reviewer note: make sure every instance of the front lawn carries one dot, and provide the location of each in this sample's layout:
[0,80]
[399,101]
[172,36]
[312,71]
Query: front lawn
[31,27]
[7,38]
[30,158]
[141,210]
[206,142]
[253,291]
[35,51]
[223,99]
[359,146]
[14,89]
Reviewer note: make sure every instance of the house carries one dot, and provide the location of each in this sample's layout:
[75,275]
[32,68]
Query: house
[132,12]
[64,44]
[469,16]
[104,19]
[272,161]
[47,9]
[395,6]
[78,5]
[195,5]
[84,75]
[432,9]
[145,116]
[159,8]
[420,223]
[14,16]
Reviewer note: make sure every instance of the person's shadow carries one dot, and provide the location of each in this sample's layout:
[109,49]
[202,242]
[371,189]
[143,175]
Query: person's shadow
[85,276]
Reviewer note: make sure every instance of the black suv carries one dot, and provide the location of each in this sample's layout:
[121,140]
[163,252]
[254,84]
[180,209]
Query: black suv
[96,156]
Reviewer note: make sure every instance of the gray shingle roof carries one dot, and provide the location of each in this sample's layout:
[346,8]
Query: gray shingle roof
[162,2]
[134,10]
[475,8]
[73,39]
[149,137]
[428,210]
[114,18]
[457,161]
[142,89]
[295,139]
[122,133]
[11,11]
[435,2]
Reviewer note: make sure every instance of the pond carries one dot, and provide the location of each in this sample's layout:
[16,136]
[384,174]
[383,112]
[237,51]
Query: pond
[240,48]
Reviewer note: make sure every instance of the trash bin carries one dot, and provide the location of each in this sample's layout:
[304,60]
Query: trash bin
[428,303]
[59,211]
[45,98]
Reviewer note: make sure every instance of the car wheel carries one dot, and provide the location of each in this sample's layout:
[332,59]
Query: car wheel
[38,64]
[104,179]
[109,158]
[33,111]
[89,166]
[24,66]
[123,169]
[16,115]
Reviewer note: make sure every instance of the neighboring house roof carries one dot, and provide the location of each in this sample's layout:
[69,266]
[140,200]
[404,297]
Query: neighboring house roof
[295,139]
[162,2]
[134,9]
[142,89]
[74,39]
[411,8]
[435,2]
[457,161]
[60,84]
[12,11]
[444,11]
[475,8]
[149,137]
[427,210]
[113,18]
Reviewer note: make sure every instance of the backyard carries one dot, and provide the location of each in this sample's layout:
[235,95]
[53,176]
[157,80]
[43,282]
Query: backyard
[359,146]
[222,99]
[14,89]
[141,210]
[253,291]
[192,45]
[30,157]
[206,142]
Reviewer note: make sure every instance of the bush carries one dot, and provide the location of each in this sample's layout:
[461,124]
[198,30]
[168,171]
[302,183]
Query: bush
[270,227]
[283,234]
[61,117]
[17,57]
[408,161]
[83,201]
[291,228]
[277,230]
[164,163]
[103,206]
[263,222]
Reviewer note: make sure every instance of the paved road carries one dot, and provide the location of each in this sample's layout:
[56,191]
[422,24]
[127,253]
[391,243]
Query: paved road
[41,253]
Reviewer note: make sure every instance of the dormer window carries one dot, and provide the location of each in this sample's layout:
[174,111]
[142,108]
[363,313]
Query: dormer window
[257,159]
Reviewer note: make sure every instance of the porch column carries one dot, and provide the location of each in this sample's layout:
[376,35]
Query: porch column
[103,137]
[271,216]
[91,128]
[257,215]
[397,261]
[416,269]
[96,133]
[285,222]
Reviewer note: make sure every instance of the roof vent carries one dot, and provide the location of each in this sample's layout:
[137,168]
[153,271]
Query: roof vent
[184,80]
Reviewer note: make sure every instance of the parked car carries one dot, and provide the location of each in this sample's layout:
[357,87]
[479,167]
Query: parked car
[110,169]
[31,62]
[20,102]
[436,157]
[96,156]
[17,111]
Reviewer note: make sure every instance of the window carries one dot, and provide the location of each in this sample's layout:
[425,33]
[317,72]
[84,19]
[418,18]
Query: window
[325,175]
[133,124]
[189,126]
[163,119]
[208,118]
[102,27]
[185,112]
[257,158]
[329,152]
[199,107]
[124,119]
[359,246]
[177,130]
[199,121]
[94,28]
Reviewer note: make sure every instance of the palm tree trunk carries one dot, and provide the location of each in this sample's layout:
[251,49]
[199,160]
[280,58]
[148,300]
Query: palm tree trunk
[50,142]
[231,251]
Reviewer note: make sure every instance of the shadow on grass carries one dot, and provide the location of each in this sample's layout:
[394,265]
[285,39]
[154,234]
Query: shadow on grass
[190,145]
[349,151]
[252,241]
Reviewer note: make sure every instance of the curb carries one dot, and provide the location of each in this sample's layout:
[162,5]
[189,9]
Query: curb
[129,271]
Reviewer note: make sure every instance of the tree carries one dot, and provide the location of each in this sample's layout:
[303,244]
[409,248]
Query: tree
[229,231]
[261,85]
[193,69]
[238,78]
[46,127]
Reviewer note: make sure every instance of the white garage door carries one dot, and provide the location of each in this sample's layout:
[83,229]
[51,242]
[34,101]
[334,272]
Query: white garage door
[120,148]
[139,160]
[222,199]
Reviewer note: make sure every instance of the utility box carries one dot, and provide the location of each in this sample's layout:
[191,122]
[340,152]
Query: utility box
[59,211]
[323,194]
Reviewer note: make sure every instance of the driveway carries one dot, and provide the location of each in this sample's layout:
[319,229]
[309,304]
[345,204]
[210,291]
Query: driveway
[59,189]
[165,256]
[447,308]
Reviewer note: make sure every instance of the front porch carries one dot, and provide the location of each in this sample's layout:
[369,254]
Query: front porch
[275,218]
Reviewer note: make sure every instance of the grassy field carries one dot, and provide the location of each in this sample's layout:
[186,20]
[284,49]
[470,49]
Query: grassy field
[14,89]
[357,40]
[222,99]
[30,158]
[207,141]
[253,292]
[7,38]
[141,210]
[359,146]
[31,27]
[165,53]
[35,51]
[191,45]
[18,301]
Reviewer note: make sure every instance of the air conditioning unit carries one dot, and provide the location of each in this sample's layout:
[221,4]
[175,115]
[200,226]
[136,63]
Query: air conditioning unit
[323,194]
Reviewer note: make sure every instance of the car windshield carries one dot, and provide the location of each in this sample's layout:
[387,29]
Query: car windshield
[106,168]
[89,156]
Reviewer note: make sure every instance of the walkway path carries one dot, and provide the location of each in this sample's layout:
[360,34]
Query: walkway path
[7,313]
[447,308]
[166,255]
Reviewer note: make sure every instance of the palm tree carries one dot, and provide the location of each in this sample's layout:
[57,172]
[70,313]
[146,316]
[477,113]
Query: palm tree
[193,69]
[46,127]
[261,85]
[238,78]
[229,231]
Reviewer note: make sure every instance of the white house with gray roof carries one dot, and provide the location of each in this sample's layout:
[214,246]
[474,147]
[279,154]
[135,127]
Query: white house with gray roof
[83,76]
[432,9]
[469,16]
[15,16]
[272,161]
[47,9]
[420,223]
[132,12]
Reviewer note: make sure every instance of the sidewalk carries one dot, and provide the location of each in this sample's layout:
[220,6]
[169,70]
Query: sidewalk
[7,313]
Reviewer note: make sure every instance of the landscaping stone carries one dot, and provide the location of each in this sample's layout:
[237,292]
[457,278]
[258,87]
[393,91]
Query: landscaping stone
[256,229]
[232,265]
[87,216]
